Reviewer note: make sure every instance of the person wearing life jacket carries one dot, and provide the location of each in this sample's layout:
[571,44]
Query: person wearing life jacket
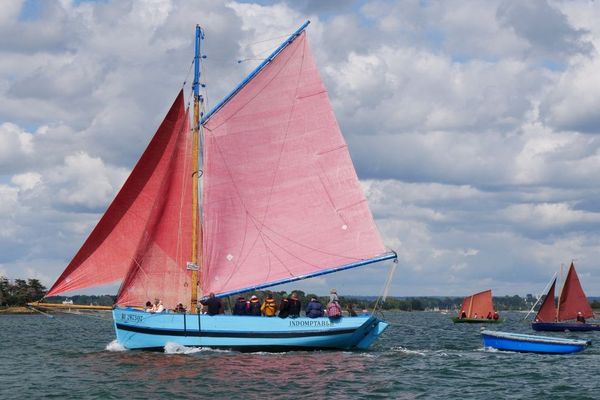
[314,308]
[269,307]
[580,317]
[254,306]
[239,308]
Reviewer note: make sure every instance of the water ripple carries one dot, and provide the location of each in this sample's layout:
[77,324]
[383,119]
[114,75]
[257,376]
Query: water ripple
[421,356]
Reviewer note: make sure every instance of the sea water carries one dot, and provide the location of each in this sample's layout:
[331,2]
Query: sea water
[422,355]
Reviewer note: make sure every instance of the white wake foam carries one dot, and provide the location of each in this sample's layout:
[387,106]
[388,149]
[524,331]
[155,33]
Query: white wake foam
[404,350]
[176,348]
[115,346]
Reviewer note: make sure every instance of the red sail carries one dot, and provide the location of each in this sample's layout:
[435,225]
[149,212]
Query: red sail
[109,252]
[478,305]
[547,311]
[159,267]
[572,298]
[281,197]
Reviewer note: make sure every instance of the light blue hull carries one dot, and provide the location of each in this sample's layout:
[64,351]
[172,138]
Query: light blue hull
[531,343]
[141,330]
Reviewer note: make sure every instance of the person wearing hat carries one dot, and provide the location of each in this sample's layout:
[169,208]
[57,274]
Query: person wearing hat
[333,296]
[294,306]
[254,306]
[284,307]
[239,308]
[580,317]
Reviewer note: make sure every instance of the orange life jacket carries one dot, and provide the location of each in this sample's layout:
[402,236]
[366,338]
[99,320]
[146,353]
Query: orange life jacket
[269,308]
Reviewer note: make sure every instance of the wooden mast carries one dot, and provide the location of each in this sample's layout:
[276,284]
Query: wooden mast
[196,228]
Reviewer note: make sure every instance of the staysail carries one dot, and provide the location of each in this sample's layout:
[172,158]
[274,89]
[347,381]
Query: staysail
[547,311]
[572,298]
[138,234]
[478,305]
[281,198]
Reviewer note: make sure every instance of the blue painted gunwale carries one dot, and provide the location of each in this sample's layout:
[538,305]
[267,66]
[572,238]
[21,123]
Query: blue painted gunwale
[531,343]
[564,326]
[136,329]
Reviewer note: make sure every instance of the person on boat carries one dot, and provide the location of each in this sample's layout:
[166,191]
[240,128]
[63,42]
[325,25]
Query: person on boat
[350,310]
[160,308]
[496,316]
[475,316]
[463,315]
[333,296]
[284,308]
[580,317]
[148,307]
[333,309]
[254,306]
[213,304]
[269,307]
[314,308]
[239,308]
[294,306]
[180,308]
[489,316]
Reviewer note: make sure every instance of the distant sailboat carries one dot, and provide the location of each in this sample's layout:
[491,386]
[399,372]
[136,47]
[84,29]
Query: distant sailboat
[571,303]
[281,202]
[477,308]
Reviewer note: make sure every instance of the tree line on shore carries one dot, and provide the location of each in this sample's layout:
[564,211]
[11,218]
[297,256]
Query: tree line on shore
[20,292]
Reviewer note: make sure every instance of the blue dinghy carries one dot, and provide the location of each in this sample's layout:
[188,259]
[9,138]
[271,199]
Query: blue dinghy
[532,344]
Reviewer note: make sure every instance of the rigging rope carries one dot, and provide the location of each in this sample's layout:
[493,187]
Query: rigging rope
[381,299]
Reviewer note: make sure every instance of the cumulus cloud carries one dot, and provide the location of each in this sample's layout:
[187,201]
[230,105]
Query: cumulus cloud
[473,125]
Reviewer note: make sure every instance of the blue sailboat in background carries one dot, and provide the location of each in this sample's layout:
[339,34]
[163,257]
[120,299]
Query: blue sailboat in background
[280,202]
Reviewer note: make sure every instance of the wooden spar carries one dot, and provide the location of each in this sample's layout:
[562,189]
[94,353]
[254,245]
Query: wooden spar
[195,171]
[37,304]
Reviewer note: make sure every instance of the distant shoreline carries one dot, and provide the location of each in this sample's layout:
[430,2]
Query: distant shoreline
[16,310]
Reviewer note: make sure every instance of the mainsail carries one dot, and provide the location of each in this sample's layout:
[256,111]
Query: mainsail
[281,198]
[478,305]
[547,311]
[143,239]
[572,298]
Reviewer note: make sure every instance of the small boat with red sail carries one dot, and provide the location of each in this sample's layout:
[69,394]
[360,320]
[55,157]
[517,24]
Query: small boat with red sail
[478,309]
[572,310]
[280,202]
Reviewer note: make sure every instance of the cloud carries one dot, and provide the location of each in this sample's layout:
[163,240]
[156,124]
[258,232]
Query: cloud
[473,125]
[546,29]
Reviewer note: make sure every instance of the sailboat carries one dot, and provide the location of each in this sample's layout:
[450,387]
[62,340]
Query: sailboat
[478,308]
[572,302]
[280,200]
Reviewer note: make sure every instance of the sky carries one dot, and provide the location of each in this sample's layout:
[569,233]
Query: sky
[473,126]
